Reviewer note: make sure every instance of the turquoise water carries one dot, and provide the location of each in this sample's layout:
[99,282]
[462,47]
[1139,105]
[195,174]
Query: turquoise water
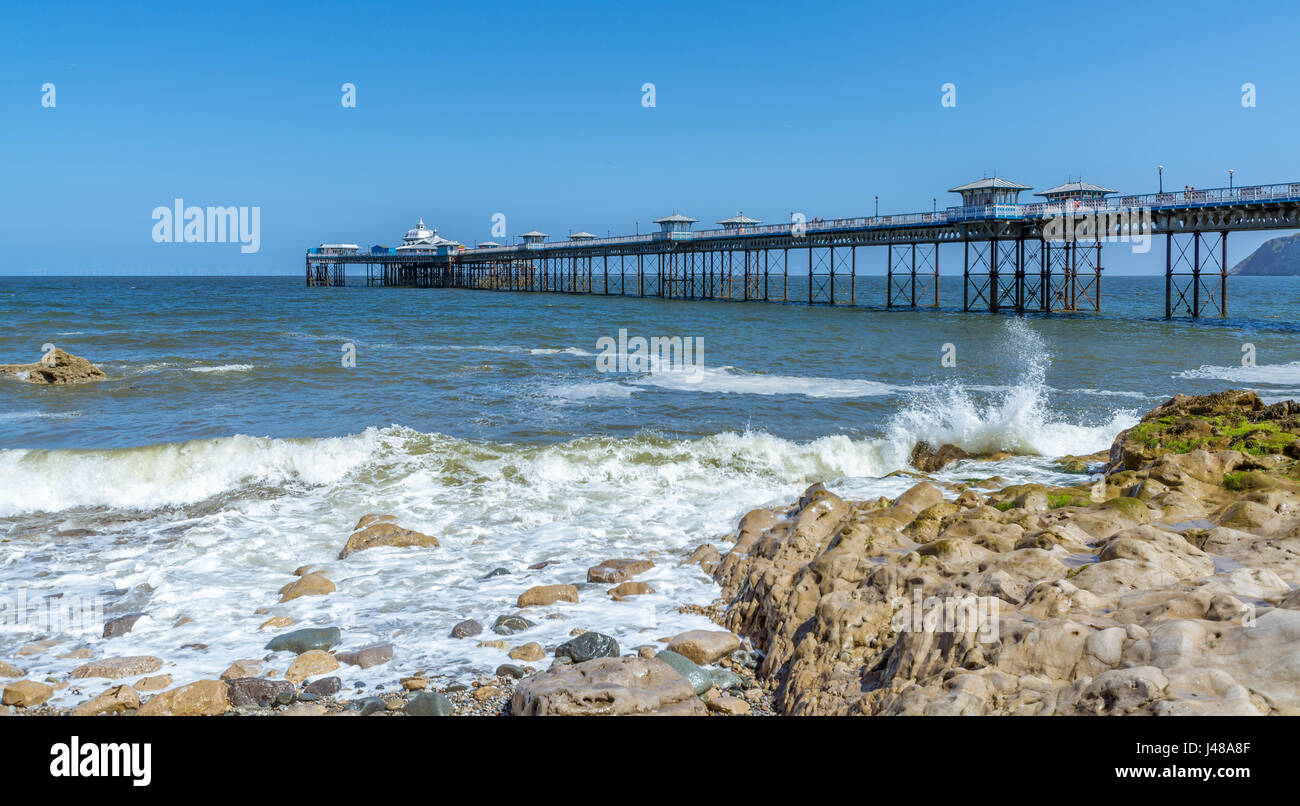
[230,444]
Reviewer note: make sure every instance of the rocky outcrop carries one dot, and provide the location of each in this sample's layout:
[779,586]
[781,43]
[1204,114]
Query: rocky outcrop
[1276,257]
[607,687]
[56,368]
[929,459]
[1160,589]
[382,530]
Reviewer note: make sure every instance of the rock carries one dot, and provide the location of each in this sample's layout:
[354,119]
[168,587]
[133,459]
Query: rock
[606,686]
[587,646]
[26,693]
[381,530]
[531,651]
[496,572]
[315,584]
[368,705]
[927,459]
[116,700]
[367,656]
[725,679]
[242,668]
[121,625]
[76,654]
[699,679]
[324,687]
[503,645]
[55,369]
[1230,420]
[646,651]
[706,556]
[119,668]
[277,622]
[155,683]
[204,698]
[303,709]
[300,641]
[509,670]
[623,590]
[618,570]
[429,703]
[543,595]
[509,625]
[414,683]
[466,628]
[730,706]
[9,670]
[485,693]
[257,691]
[310,664]
[704,647]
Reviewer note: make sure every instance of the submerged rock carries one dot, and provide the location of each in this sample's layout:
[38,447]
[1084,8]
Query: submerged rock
[587,646]
[305,640]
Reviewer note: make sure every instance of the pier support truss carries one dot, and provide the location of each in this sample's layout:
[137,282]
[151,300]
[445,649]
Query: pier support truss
[912,275]
[1029,274]
[1196,274]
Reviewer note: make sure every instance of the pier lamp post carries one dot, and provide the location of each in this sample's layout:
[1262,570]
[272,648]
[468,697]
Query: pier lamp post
[1160,169]
[934,204]
[1230,173]
[877,205]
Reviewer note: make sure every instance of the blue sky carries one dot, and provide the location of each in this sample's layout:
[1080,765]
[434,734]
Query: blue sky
[534,110]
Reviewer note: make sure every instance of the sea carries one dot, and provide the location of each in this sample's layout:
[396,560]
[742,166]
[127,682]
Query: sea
[246,424]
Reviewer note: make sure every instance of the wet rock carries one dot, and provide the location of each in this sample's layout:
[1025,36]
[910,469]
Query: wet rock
[382,530]
[367,656]
[204,698]
[324,687]
[303,709]
[700,680]
[429,703]
[509,625]
[368,705]
[9,670]
[928,459]
[113,701]
[117,668]
[496,572]
[706,556]
[56,369]
[509,670]
[242,668]
[414,683]
[300,641]
[257,691]
[466,628]
[154,683]
[606,686]
[587,646]
[532,651]
[26,693]
[704,647]
[121,625]
[315,584]
[543,595]
[276,622]
[625,589]
[729,706]
[618,570]
[310,664]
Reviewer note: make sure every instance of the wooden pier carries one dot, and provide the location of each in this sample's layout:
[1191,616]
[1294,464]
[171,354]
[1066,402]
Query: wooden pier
[1044,257]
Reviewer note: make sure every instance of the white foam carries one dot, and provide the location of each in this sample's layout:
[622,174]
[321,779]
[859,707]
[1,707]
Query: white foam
[223,368]
[729,380]
[1271,374]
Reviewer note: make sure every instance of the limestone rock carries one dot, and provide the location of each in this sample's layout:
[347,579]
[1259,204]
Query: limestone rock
[310,664]
[382,530]
[119,668]
[531,651]
[26,693]
[625,589]
[606,687]
[367,656]
[315,584]
[204,698]
[543,595]
[618,570]
[704,647]
[115,700]
[56,369]
[9,670]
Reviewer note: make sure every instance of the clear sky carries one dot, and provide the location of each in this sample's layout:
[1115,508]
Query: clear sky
[535,111]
